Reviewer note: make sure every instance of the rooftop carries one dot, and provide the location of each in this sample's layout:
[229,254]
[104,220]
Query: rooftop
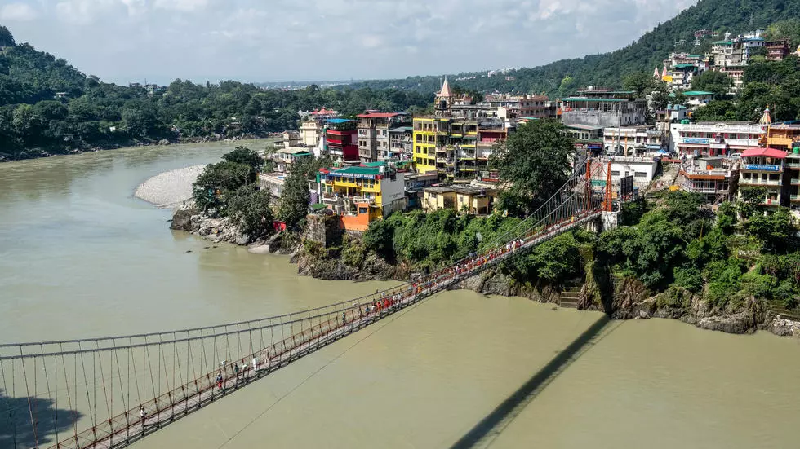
[357,171]
[338,120]
[768,152]
[684,66]
[379,115]
[402,129]
[697,93]
[585,127]
[608,100]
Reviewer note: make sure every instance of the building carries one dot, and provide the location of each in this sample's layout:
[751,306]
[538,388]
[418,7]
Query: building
[310,132]
[714,138]
[459,139]
[286,157]
[341,140]
[415,184]
[291,139]
[473,200]
[715,178]
[633,140]
[362,194]
[373,133]
[604,108]
[736,74]
[400,144]
[782,136]
[792,167]
[777,50]
[698,97]
[764,167]
[642,169]
[272,182]
[587,138]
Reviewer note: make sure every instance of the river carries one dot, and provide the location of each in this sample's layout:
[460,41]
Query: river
[81,257]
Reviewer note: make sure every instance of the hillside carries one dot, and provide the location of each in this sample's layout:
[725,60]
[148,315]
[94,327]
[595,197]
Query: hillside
[736,16]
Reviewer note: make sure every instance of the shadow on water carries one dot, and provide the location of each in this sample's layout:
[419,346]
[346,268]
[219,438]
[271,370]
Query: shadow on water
[16,431]
[490,426]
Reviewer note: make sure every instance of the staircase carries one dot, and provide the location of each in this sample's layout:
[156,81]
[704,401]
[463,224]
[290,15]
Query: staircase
[570,297]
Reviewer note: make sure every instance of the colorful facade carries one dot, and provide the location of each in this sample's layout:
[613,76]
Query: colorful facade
[764,167]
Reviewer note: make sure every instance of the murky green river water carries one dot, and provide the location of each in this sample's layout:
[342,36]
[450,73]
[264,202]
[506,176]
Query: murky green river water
[81,257]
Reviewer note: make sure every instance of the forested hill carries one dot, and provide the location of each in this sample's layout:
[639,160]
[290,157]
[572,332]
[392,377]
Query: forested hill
[562,77]
[49,107]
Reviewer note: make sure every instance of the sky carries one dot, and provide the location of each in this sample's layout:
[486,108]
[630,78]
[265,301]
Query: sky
[296,40]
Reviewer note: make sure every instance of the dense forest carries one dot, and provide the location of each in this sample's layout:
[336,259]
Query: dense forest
[49,107]
[562,77]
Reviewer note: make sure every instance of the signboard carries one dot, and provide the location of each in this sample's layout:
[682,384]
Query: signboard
[698,141]
[353,175]
[626,185]
[763,167]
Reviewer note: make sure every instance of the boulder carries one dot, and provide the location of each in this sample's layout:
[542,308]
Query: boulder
[182,220]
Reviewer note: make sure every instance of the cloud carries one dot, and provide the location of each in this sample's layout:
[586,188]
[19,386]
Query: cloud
[261,40]
[18,12]
[181,5]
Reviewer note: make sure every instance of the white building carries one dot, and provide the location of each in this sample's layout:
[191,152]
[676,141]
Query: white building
[643,170]
[633,140]
[714,138]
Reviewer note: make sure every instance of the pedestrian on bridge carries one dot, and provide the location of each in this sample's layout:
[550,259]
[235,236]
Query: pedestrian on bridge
[219,380]
[142,415]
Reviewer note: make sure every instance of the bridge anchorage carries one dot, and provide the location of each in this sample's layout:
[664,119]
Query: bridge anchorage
[109,392]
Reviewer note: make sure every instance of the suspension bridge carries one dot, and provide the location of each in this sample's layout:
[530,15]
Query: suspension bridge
[108,392]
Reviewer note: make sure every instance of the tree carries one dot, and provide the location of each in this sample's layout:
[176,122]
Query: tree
[776,229]
[295,196]
[535,161]
[246,156]
[218,181]
[6,39]
[751,200]
[717,83]
[785,29]
[640,82]
[250,208]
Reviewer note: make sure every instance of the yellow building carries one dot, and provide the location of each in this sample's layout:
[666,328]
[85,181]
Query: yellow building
[429,135]
[383,189]
[472,200]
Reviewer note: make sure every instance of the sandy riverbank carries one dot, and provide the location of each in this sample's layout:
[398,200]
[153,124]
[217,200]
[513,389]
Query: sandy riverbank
[169,189]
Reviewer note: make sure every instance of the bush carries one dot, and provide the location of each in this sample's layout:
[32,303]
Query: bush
[250,208]
[724,281]
[688,277]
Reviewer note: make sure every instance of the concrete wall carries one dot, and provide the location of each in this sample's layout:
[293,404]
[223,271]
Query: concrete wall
[604,119]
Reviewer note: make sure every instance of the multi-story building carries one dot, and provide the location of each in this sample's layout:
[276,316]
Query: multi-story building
[764,167]
[713,177]
[290,139]
[310,132]
[792,167]
[633,140]
[400,144]
[341,140]
[715,138]
[373,133]
[588,138]
[459,139]
[286,157]
[536,106]
[604,107]
[362,194]
[698,98]
[777,50]
[782,136]
[430,134]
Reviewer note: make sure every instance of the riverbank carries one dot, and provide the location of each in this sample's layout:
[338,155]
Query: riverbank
[171,189]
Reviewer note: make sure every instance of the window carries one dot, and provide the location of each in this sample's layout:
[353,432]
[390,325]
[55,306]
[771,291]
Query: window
[363,210]
[640,174]
[615,173]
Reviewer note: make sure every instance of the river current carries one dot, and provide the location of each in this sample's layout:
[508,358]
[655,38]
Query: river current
[81,257]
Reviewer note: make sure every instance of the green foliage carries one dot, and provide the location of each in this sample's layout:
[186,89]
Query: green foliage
[354,254]
[6,39]
[776,230]
[642,83]
[724,281]
[688,277]
[759,286]
[535,160]
[250,208]
[218,181]
[632,212]
[727,217]
[379,238]
[246,156]
[295,196]
[785,29]
[751,200]
[717,83]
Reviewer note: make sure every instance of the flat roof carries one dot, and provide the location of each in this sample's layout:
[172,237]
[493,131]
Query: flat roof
[379,115]
[402,129]
[697,93]
[357,171]
[607,91]
[585,127]
[608,100]
[339,120]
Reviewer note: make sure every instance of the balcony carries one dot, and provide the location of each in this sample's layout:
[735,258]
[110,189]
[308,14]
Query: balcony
[795,181]
[759,182]
[785,141]
[791,163]
[795,198]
